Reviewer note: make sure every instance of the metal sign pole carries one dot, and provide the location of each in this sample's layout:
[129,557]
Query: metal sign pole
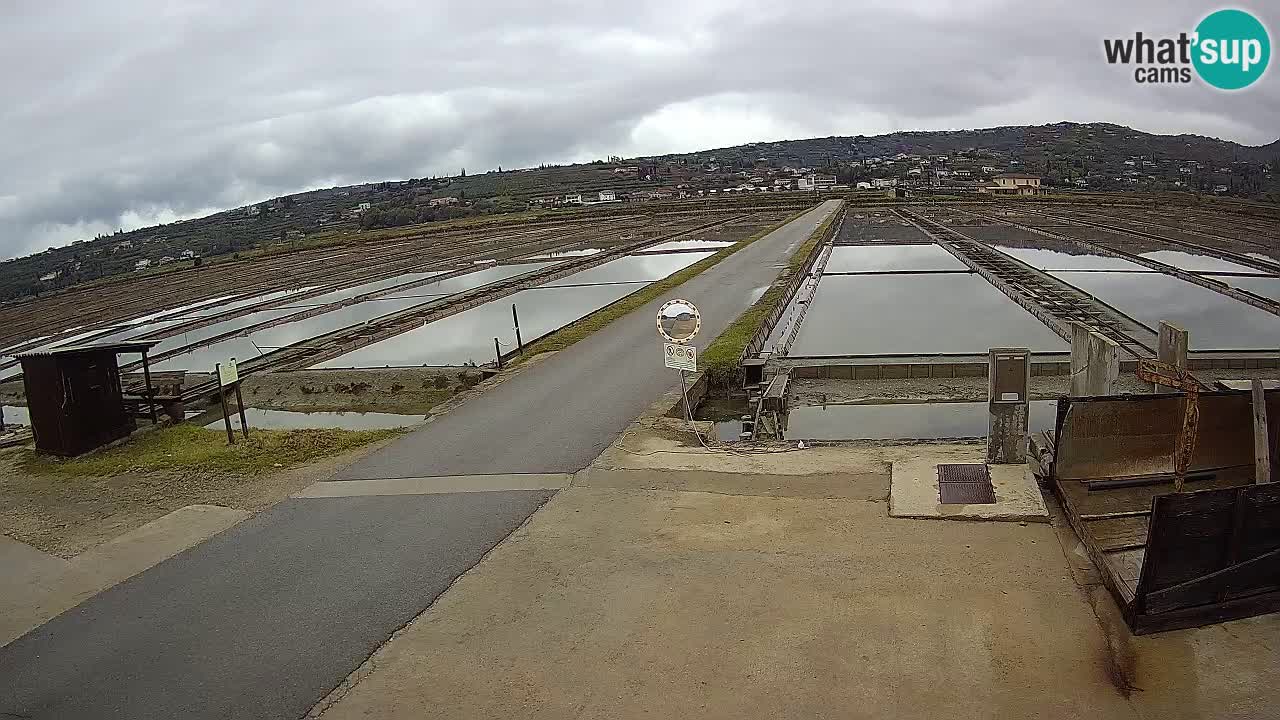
[684,392]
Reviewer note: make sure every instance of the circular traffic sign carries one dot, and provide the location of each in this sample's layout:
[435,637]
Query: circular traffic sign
[679,321]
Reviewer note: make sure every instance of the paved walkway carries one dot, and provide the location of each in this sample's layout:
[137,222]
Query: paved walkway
[266,618]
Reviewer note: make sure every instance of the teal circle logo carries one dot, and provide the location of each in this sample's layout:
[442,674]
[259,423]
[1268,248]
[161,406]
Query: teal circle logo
[1232,49]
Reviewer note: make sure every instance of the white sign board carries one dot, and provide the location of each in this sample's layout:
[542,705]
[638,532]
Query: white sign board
[680,357]
[227,373]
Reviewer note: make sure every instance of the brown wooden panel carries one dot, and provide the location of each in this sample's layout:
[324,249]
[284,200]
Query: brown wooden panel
[1206,547]
[1242,579]
[1116,436]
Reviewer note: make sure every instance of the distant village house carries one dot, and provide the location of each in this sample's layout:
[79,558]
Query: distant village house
[1012,184]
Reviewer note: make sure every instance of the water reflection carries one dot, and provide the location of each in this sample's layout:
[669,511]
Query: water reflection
[246,302]
[362,289]
[468,336]
[1268,287]
[1196,263]
[1215,321]
[580,252]
[903,314]
[879,258]
[903,421]
[16,415]
[262,341]
[1054,260]
[688,245]
[632,268]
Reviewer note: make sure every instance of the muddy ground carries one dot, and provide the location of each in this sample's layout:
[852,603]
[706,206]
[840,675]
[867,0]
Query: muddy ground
[393,390]
[410,391]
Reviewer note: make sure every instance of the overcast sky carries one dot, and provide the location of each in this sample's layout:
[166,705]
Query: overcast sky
[124,114]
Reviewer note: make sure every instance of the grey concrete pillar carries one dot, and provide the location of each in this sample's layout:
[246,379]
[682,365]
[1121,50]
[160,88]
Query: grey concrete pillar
[1104,365]
[1172,349]
[1008,395]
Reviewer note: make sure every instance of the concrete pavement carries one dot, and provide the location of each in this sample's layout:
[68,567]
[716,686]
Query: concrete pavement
[721,603]
[657,604]
[559,415]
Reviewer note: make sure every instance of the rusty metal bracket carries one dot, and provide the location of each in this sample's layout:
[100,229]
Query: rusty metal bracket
[1160,373]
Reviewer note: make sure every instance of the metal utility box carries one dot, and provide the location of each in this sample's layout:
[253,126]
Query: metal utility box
[74,397]
[1009,375]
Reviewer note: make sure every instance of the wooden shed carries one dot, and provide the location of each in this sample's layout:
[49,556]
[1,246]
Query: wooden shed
[75,398]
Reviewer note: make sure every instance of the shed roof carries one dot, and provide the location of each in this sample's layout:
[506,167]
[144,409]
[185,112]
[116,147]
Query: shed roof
[121,347]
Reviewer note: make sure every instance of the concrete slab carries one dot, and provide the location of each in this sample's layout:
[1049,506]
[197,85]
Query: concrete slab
[262,620]
[645,604]
[21,565]
[27,606]
[846,485]
[435,485]
[913,490]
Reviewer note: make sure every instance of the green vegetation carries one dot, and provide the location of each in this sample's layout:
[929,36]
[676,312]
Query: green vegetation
[573,332]
[720,361]
[190,448]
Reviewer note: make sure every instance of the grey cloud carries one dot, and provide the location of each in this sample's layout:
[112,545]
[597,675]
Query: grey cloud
[125,112]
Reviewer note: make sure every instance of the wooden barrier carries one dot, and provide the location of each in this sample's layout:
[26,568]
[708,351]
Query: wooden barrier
[1173,560]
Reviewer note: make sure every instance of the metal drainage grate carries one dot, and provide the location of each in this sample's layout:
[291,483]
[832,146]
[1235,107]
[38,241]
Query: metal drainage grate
[965,484]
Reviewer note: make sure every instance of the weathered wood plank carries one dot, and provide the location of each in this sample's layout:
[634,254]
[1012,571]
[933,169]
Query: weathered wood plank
[1261,439]
[1118,533]
[1262,570]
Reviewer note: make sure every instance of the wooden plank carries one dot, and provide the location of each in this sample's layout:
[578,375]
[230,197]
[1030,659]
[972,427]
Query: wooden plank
[1118,533]
[1113,515]
[1261,440]
[1244,607]
[1263,569]
[1125,566]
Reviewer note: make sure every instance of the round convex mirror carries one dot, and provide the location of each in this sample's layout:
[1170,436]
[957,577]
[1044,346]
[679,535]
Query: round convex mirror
[679,321]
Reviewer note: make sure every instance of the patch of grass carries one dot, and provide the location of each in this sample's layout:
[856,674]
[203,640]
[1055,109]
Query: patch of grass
[188,447]
[580,329]
[720,361]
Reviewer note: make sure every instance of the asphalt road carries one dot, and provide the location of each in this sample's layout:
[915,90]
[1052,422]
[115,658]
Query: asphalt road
[261,621]
[559,415]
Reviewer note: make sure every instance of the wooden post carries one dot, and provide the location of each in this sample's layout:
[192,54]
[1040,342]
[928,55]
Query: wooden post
[497,352]
[151,393]
[244,422]
[1261,439]
[1172,349]
[226,412]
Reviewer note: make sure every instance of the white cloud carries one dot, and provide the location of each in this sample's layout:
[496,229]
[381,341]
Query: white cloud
[136,112]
